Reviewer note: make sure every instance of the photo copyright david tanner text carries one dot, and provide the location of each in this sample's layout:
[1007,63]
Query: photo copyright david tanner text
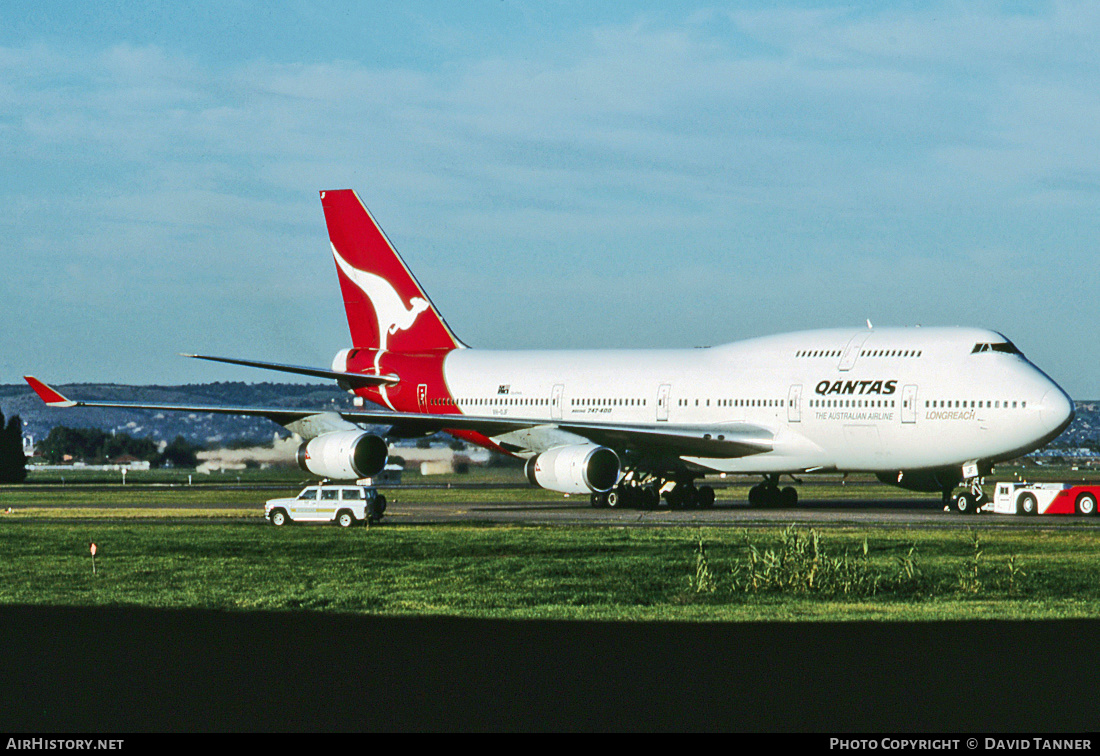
[955,744]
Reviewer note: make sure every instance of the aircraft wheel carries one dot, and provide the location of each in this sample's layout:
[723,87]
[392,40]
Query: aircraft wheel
[614,498]
[375,510]
[757,496]
[788,497]
[1027,504]
[964,503]
[706,497]
[595,501]
[1086,504]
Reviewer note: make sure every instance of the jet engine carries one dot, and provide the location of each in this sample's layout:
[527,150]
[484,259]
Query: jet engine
[581,468]
[344,455]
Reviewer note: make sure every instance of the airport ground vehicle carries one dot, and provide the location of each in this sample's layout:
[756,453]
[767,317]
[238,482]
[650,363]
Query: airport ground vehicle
[345,505]
[1044,498]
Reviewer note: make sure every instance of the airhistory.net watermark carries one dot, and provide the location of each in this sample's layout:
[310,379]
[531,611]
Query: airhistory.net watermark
[64,744]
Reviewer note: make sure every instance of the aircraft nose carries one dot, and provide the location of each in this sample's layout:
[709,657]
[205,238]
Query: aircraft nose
[1056,410]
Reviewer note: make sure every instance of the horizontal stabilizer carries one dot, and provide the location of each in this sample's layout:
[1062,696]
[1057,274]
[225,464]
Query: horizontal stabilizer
[353,380]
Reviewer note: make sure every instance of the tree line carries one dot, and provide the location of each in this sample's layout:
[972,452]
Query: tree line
[13,463]
[94,446]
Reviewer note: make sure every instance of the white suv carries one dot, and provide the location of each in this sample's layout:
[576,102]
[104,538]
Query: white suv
[346,505]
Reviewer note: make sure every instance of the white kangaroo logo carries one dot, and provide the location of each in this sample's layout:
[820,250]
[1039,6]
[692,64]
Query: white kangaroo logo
[390,311]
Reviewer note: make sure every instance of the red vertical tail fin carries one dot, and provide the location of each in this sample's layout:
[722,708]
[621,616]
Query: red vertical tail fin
[386,307]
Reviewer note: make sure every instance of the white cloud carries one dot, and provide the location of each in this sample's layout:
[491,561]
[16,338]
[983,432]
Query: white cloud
[718,160]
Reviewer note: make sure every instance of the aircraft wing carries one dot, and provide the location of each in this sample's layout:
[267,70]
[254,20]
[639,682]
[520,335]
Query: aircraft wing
[721,441]
[281,415]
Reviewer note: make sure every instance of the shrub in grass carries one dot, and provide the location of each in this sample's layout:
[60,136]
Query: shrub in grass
[800,564]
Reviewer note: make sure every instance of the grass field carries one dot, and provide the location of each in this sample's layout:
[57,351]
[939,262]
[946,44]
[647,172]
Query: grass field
[163,543]
[689,573]
[725,628]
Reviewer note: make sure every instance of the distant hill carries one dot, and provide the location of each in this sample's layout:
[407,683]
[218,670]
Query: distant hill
[1084,431]
[204,429]
[215,430]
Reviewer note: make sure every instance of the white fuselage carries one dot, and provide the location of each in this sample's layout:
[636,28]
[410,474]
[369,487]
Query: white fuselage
[854,400]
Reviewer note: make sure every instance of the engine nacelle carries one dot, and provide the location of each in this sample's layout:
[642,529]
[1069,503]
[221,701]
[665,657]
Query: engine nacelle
[344,455]
[582,468]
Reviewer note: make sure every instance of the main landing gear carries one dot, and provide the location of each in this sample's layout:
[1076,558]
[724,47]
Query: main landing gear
[769,494]
[682,493]
[632,493]
[687,496]
[628,494]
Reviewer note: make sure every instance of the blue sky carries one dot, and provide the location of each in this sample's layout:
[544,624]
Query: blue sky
[562,175]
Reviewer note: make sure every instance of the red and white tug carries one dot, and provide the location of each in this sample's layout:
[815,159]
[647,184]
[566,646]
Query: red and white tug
[1044,498]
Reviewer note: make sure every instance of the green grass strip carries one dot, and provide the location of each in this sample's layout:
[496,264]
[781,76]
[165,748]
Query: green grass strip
[591,573]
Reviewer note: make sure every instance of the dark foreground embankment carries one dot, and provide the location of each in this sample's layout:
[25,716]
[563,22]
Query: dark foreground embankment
[137,670]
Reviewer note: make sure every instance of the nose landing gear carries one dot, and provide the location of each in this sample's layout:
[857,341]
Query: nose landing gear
[968,501]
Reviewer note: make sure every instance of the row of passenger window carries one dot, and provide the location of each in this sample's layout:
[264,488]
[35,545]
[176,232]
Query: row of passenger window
[864,353]
[974,404]
[852,403]
[517,401]
[890,353]
[498,401]
[734,402]
[594,402]
[626,402]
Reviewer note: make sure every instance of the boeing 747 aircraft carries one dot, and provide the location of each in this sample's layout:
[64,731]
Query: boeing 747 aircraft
[922,408]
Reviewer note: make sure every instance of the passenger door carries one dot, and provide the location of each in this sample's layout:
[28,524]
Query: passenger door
[352,498]
[909,404]
[794,404]
[330,501]
[662,401]
[555,401]
[305,506]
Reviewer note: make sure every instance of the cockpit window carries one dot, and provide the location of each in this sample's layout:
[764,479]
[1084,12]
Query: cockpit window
[1007,347]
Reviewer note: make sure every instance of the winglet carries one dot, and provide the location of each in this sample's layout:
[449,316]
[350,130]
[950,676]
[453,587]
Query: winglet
[47,394]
